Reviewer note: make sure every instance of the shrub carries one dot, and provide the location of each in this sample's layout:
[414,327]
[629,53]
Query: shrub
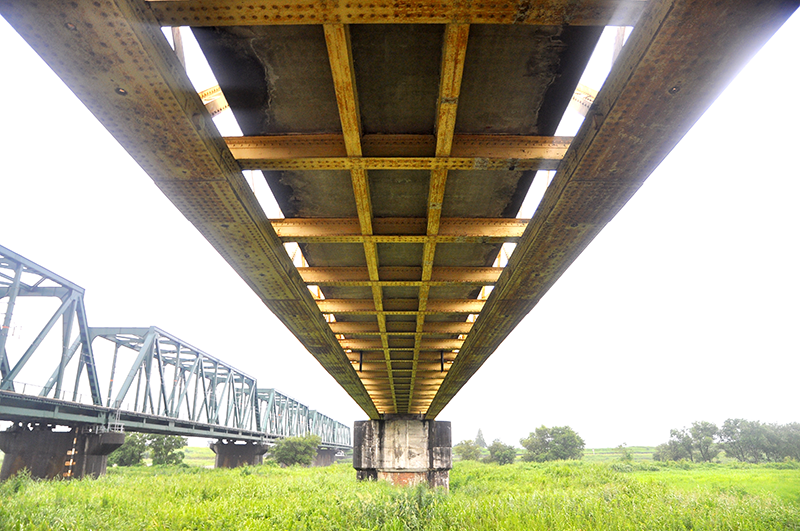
[295,450]
[552,444]
[468,450]
[502,454]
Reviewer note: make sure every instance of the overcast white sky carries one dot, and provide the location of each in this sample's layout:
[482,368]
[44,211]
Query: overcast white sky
[684,308]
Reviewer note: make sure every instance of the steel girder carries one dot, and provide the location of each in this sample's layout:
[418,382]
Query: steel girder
[169,387]
[283,416]
[20,277]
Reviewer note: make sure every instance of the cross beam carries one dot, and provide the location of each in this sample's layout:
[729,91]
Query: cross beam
[281,12]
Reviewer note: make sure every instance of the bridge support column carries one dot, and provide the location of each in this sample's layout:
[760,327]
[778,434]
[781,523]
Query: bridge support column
[49,454]
[325,457]
[405,450]
[233,454]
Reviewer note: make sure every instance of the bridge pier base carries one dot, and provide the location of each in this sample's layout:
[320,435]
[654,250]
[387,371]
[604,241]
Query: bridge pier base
[324,457]
[233,454]
[405,450]
[49,454]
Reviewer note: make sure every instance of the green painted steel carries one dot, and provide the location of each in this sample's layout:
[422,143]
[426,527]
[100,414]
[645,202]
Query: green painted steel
[179,389]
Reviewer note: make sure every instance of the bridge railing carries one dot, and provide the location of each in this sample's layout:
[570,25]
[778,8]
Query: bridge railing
[151,372]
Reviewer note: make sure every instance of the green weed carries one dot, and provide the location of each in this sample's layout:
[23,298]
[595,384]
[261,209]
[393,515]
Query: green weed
[524,496]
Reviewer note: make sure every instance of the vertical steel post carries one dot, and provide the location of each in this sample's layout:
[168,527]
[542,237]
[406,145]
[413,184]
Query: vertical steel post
[65,333]
[113,370]
[12,300]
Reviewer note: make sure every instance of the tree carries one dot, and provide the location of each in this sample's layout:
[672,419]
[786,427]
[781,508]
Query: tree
[468,450]
[479,440]
[683,438]
[670,451]
[552,444]
[704,435]
[295,450]
[131,452]
[625,454]
[744,440]
[164,449]
[502,454]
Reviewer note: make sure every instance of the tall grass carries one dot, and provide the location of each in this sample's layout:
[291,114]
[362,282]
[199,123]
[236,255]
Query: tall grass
[522,496]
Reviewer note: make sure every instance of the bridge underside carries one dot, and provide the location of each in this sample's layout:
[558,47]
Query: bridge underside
[400,140]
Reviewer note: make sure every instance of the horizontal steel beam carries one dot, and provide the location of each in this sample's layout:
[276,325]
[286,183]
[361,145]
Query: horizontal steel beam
[399,230]
[456,275]
[400,306]
[394,328]
[25,408]
[425,344]
[398,152]
[272,12]
[400,163]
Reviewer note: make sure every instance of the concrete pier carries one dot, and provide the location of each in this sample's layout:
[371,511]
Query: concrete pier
[405,450]
[82,451]
[233,454]
[324,457]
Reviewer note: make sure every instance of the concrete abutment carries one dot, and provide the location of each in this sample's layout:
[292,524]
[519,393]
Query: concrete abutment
[405,450]
[80,452]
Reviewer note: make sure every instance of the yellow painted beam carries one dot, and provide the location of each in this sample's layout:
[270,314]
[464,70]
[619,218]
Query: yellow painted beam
[547,159]
[340,54]
[248,150]
[397,230]
[326,275]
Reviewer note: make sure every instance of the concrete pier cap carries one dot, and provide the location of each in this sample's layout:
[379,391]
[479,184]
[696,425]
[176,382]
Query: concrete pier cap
[403,449]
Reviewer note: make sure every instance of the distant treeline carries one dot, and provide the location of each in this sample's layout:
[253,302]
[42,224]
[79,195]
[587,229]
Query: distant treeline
[746,440]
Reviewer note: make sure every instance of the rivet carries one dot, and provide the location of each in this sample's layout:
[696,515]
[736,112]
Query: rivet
[70,26]
[674,90]
[121,91]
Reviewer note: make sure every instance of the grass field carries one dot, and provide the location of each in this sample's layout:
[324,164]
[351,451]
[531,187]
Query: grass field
[523,496]
[606,455]
[201,456]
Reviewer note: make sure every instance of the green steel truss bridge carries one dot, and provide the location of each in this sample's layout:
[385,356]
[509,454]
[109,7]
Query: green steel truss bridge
[153,381]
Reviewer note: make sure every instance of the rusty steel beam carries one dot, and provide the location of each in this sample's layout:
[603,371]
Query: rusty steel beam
[454,52]
[303,229]
[401,239]
[394,306]
[327,275]
[214,100]
[547,160]
[274,12]
[427,344]
[403,283]
[340,55]
[429,328]
[679,58]
[118,63]
[247,149]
